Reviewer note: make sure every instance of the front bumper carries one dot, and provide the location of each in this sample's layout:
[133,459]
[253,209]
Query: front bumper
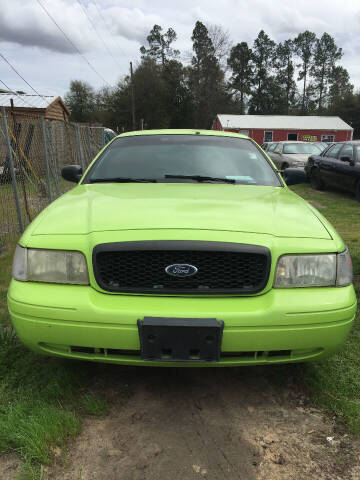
[282,325]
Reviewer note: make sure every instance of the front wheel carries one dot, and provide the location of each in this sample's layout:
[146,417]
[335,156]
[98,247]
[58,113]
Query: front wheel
[315,180]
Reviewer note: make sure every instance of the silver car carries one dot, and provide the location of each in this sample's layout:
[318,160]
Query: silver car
[292,154]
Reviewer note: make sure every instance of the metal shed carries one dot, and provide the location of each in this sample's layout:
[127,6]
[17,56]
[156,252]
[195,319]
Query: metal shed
[275,128]
[52,108]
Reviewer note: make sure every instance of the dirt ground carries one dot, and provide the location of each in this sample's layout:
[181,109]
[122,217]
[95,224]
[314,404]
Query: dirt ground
[214,424]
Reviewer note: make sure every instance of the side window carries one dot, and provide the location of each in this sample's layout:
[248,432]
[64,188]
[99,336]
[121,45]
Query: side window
[272,147]
[333,151]
[278,148]
[347,151]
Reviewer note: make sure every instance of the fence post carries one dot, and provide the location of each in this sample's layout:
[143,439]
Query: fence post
[12,170]
[79,144]
[43,129]
[89,143]
[53,159]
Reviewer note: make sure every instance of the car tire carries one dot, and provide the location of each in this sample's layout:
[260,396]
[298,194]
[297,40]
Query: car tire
[315,180]
[357,191]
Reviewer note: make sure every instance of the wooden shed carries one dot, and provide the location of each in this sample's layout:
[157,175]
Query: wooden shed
[52,108]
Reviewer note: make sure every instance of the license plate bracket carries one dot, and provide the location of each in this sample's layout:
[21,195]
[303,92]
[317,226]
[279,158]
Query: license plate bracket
[180,339]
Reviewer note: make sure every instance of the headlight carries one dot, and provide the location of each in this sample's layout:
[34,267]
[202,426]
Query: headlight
[344,269]
[50,266]
[323,270]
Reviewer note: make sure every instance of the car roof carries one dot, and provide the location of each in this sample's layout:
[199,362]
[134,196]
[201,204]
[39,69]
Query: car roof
[294,141]
[188,131]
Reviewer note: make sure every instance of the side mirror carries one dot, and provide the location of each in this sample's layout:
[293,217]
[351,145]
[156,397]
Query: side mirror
[72,173]
[293,176]
[346,158]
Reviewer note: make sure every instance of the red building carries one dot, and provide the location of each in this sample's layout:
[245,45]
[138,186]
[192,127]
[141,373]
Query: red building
[274,128]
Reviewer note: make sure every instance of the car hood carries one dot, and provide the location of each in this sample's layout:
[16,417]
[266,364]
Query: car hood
[240,208]
[296,157]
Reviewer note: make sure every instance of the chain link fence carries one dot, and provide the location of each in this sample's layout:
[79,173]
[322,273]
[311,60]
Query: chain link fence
[32,153]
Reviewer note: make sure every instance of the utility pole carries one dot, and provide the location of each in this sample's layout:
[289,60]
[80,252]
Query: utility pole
[132,98]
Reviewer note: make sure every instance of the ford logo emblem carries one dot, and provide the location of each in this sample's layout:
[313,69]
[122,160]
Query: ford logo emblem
[181,270]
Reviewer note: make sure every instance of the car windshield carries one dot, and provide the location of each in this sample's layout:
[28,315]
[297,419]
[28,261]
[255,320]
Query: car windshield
[301,148]
[167,158]
[322,145]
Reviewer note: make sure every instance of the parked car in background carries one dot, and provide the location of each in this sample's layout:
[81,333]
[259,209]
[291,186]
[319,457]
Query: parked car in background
[337,166]
[323,145]
[109,135]
[292,154]
[266,145]
[5,174]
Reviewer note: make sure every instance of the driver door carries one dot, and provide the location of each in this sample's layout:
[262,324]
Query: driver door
[327,164]
[343,172]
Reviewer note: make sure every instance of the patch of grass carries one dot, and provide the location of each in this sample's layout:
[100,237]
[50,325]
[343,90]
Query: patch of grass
[31,472]
[31,427]
[94,405]
[335,382]
[5,273]
[37,404]
[40,406]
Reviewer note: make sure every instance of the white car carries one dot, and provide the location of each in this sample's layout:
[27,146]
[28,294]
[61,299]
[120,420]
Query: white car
[292,154]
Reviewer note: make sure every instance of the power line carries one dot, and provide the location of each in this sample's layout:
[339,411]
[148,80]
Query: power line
[97,33]
[22,78]
[27,104]
[73,44]
[107,26]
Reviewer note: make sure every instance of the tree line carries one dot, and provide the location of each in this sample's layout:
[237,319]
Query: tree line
[299,76]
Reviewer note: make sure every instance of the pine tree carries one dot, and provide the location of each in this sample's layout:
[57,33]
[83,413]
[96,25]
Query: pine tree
[177,95]
[326,54]
[339,86]
[206,78]
[240,63]
[284,67]
[160,45]
[304,48]
[263,58]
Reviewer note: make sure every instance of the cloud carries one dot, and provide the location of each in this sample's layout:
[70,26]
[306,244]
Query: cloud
[29,38]
[130,23]
[24,22]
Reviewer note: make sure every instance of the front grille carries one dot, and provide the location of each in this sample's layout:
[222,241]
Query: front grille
[223,268]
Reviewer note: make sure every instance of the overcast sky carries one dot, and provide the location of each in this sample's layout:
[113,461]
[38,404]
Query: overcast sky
[39,51]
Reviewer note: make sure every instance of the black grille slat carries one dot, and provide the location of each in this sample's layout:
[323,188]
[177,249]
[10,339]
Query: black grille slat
[143,270]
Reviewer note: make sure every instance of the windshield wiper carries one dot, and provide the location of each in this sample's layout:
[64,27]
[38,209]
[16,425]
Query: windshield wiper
[123,180]
[203,178]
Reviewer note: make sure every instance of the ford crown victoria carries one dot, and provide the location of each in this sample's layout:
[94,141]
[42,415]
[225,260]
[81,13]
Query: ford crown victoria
[181,247]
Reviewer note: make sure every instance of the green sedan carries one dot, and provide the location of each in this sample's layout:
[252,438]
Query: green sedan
[182,247]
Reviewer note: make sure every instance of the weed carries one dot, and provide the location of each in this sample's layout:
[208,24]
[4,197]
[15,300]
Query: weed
[94,405]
